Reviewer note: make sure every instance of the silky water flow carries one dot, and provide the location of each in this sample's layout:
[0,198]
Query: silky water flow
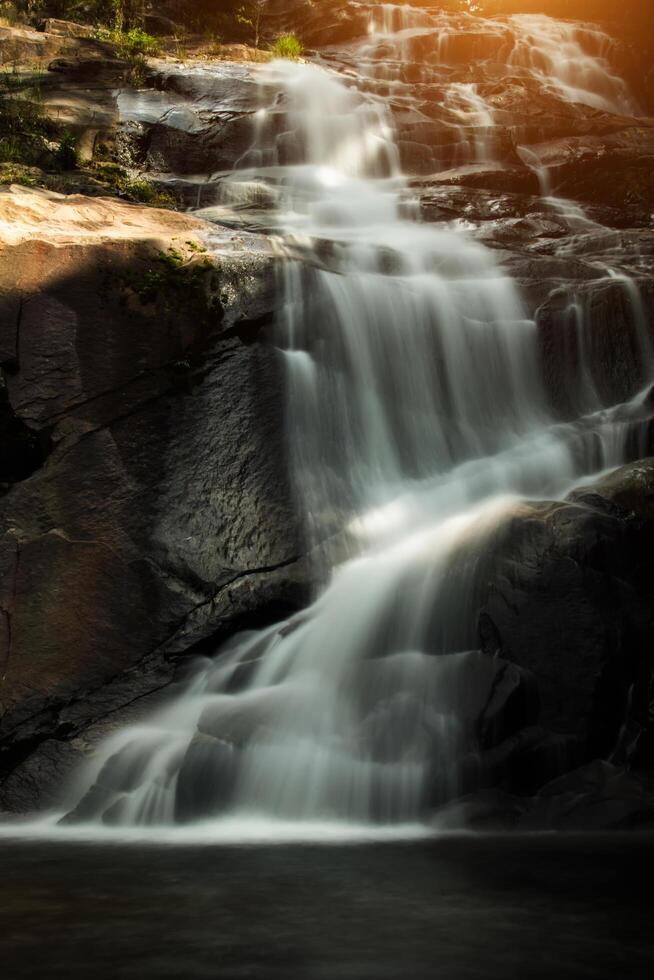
[417,420]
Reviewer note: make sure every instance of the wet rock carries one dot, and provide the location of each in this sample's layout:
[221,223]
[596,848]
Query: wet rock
[628,492]
[193,121]
[598,797]
[39,782]
[491,177]
[487,811]
[566,617]
[228,89]
[513,705]
[206,779]
[596,343]
[172,148]
[613,168]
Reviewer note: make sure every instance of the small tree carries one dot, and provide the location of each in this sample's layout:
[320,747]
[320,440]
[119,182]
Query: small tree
[128,14]
[251,15]
[258,8]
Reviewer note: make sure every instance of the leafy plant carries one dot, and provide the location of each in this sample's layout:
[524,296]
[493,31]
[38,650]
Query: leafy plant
[9,15]
[250,14]
[130,44]
[138,71]
[136,42]
[287,46]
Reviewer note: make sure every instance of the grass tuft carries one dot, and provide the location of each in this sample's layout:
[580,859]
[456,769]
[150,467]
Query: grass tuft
[287,46]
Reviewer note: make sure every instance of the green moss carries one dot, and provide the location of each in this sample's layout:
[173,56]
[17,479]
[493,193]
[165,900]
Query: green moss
[175,280]
[195,247]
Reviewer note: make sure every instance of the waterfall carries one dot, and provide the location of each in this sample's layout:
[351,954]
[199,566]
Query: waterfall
[570,60]
[417,417]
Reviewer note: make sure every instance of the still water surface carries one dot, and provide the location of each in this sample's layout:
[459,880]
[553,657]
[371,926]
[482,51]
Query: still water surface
[543,907]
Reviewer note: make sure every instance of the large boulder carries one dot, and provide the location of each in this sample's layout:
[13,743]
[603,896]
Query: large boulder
[567,593]
[597,797]
[565,597]
[150,510]
[191,121]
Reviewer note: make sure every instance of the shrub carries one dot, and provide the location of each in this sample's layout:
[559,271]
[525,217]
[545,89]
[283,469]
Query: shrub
[287,46]
[138,71]
[134,188]
[146,193]
[65,156]
[9,15]
[11,173]
[133,44]
[137,42]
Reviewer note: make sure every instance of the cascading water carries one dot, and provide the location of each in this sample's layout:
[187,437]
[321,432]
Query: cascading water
[417,417]
[570,60]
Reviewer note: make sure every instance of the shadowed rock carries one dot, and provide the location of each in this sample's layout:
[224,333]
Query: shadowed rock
[162,515]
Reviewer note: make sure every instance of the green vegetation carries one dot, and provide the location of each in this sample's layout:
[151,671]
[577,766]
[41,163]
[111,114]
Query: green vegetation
[65,156]
[130,44]
[9,14]
[36,150]
[18,173]
[118,181]
[287,46]
[249,14]
[136,41]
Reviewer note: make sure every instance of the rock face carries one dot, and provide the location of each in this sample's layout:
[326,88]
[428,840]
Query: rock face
[152,512]
[73,78]
[201,121]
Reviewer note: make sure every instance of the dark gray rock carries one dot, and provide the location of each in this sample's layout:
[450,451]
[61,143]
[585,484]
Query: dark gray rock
[567,593]
[598,797]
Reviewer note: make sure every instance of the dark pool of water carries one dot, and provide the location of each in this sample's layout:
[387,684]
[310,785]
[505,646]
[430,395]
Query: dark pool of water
[448,909]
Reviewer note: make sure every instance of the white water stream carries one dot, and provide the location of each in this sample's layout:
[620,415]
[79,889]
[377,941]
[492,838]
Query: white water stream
[417,418]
